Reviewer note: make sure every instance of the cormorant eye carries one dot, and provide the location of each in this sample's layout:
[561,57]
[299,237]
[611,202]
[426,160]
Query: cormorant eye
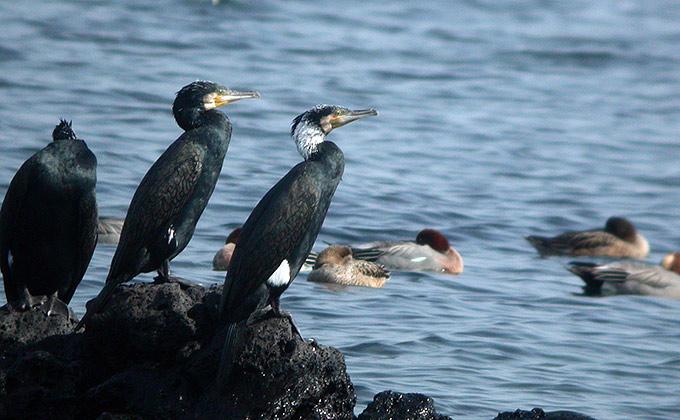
[336,113]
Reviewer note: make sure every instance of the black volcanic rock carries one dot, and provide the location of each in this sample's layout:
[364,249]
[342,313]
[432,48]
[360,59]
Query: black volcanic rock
[153,353]
[389,405]
[539,414]
[18,328]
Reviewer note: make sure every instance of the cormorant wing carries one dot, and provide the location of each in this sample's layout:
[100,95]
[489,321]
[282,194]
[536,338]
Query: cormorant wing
[161,195]
[87,240]
[275,230]
[11,208]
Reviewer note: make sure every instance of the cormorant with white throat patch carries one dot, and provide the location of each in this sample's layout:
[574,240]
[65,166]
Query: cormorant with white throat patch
[279,233]
[173,194]
[48,224]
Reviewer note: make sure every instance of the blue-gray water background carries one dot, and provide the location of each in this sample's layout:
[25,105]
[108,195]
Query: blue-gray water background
[498,119]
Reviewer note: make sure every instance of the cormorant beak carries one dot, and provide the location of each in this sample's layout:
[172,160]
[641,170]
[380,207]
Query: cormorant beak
[348,116]
[233,96]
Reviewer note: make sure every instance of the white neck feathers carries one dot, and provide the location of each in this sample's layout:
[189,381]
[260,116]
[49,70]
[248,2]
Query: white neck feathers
[308,137]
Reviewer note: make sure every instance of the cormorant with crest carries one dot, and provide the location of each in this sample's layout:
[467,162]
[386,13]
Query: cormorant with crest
[48,224]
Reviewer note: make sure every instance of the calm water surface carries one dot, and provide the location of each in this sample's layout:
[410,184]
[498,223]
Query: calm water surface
[498,119]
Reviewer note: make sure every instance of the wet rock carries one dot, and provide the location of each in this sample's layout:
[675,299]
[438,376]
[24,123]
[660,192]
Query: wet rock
[389,405]
[539,414]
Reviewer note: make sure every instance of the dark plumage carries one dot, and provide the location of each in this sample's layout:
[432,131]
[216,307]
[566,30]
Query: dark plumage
[173,194]
[618,239]
[48,223]
[280,232]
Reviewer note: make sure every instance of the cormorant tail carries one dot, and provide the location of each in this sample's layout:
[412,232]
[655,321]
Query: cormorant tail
[97,304]
[231,349]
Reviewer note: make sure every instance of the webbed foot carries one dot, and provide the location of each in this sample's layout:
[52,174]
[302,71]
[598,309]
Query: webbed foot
[54,306]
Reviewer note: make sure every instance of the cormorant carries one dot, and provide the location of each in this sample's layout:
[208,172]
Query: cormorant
[173,194]
[279,233]
[618,239]
[48,224]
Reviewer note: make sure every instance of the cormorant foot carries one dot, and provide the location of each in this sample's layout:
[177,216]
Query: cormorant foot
[27,301]
[184,284]
[54,306]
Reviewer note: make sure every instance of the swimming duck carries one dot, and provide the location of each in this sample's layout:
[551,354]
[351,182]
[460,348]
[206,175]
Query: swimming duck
[223,257]
[108,230]
[336,265]
[631,277]
[618,239]
[430,252]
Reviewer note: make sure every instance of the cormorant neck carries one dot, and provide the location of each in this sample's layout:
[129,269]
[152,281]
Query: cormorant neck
[308,137]
[189,119]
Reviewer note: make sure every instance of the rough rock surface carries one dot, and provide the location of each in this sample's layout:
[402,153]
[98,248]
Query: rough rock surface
[539,414]
[153,354]
[389,405]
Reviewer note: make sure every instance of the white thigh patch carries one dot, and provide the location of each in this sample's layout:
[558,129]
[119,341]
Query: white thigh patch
[281,276]
[10,258]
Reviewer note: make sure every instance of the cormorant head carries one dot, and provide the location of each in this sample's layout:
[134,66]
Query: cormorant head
[63,131]
[198,97]
[434,239]
[311,127]
[620,227]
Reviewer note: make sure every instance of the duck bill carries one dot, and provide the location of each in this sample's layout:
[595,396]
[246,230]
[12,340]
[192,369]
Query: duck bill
[349,116]
[233,96]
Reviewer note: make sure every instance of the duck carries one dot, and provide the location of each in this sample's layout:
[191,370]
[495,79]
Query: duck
[430,252]
[618,239]
[108,230]
[629,277]
[336,265]
[222,259]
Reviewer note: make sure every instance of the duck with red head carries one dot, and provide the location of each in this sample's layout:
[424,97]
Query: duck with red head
[619,239]
[430,252]
[628,277]
[223,257]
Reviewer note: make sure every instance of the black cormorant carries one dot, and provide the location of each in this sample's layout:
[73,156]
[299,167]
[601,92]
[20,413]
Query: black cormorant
[280,232]
[48,224]
[173,194]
